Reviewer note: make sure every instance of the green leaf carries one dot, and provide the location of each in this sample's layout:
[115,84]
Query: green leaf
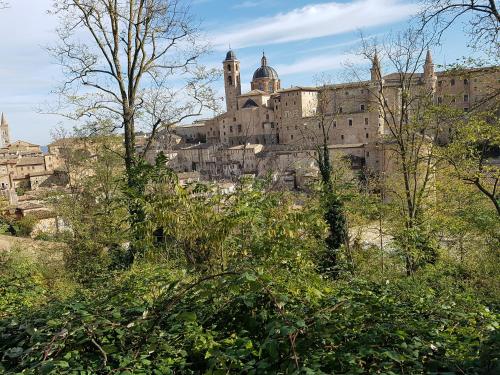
[187,316]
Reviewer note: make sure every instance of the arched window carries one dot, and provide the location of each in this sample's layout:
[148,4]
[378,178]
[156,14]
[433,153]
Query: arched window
[228,67]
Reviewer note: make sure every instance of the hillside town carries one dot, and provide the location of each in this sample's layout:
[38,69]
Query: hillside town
[269,130]
[250,187]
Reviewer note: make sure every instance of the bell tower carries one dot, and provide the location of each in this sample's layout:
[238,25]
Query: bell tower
[232,81]
[4,131]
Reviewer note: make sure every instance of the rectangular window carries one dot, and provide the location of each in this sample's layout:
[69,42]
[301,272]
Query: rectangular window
[367,135]
[342,137]
[350,122]
[366,120]
[335,124]
[291,136]
[231,129]
[466,98]
[239,128]
[362,107]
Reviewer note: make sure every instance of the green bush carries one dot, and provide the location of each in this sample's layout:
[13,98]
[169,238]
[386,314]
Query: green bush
[156,320]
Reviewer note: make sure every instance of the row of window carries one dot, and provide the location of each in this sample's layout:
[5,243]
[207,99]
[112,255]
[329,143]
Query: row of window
[28,168]
[452,82]
[367,136]
[349,121]
[453,100]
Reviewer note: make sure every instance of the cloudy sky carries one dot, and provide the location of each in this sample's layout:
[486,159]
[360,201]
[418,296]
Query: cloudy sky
[301,38]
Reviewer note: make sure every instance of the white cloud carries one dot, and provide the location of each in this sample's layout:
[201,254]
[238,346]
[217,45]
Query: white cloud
[314,21]
[319,64]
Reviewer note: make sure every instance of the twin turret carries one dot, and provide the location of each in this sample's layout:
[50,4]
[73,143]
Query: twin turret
[429,76]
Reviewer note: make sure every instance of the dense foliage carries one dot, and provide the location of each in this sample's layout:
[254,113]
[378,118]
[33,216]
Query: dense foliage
[152,319]
[232,283]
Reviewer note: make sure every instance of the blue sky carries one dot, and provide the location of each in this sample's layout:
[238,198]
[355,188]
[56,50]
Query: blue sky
[302,39]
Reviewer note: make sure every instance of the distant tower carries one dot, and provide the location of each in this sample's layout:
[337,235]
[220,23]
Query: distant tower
[232,82]
[429,74]
[375,70]
[4,132]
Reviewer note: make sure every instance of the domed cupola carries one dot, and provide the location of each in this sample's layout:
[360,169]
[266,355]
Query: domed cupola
[265,78]
[230,55]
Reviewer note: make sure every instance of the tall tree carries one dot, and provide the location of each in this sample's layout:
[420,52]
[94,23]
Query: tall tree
[131,64]
[317,135]
[408,127]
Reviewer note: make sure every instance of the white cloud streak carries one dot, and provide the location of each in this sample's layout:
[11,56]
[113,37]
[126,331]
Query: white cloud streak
[319,64]
[315,21]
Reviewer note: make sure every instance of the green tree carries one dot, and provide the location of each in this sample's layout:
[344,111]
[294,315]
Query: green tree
[94,210]
[119,75]
[474,151]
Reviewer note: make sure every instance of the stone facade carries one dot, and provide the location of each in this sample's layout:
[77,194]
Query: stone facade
[289,124]
[22,164]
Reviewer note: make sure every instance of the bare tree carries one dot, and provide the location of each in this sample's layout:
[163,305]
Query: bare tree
[404,100]
[482,15]
[131,64]
[134,62]
[4,4]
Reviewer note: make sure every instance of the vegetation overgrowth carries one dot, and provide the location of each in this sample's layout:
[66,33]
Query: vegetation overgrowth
[362,274]
[235,284]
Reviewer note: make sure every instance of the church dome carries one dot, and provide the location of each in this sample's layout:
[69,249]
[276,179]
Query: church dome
[230,55]
[265,71]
